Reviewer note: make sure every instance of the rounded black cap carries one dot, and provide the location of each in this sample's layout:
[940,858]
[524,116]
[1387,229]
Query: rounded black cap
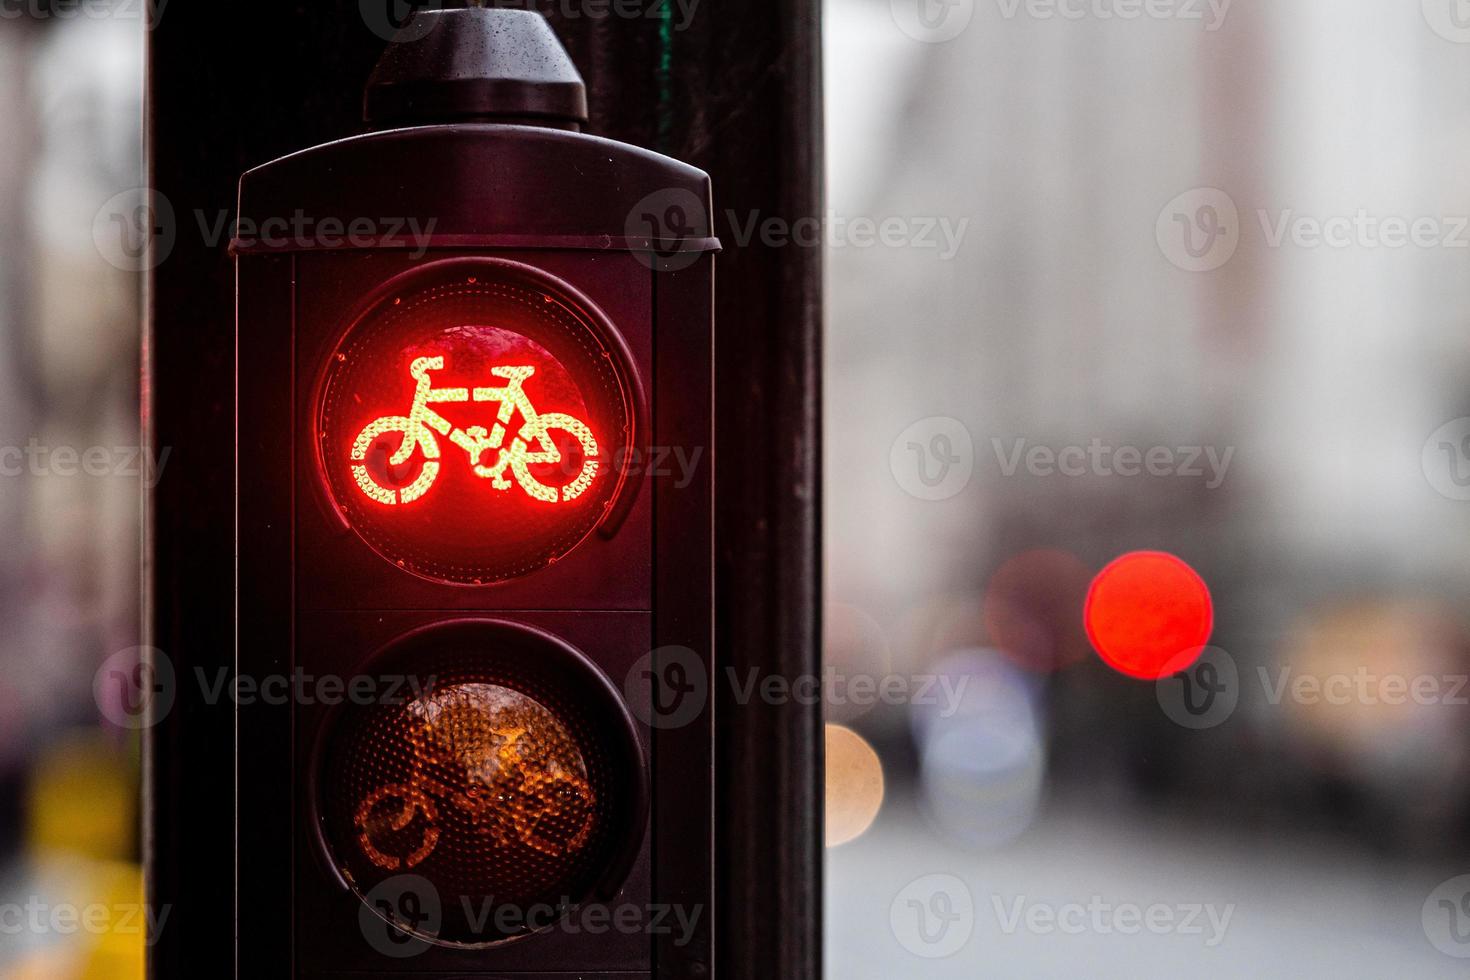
[476,64]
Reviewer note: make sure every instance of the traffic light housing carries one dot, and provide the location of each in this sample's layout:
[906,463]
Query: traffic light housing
[471,344]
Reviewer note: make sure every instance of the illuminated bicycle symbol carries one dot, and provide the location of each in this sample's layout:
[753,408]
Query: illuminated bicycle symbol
[531,445]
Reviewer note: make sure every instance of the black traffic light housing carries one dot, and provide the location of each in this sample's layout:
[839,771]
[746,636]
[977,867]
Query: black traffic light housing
[468,348]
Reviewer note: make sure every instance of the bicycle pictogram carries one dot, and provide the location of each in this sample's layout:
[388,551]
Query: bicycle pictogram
[531,444]
[496,774]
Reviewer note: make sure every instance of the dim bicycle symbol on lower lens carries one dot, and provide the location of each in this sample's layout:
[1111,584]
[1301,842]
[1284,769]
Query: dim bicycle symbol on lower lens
[388,444]
[494,776]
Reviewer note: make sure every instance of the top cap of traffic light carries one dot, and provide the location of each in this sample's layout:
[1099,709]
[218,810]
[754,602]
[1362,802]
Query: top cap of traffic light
[476,65]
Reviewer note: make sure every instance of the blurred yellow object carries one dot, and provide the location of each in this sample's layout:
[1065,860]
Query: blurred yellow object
[81,832]
[84,799]
[119,952]
[108,897]
[854,785]
[1375,681]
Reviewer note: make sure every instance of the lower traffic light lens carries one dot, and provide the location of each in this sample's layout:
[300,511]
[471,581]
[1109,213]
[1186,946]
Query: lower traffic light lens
[511,789]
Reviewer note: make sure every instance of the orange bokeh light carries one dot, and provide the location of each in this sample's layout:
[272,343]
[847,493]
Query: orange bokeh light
[1148,614]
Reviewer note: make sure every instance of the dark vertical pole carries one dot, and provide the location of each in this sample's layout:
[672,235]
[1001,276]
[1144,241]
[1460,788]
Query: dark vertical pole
[734,89]
[749,112]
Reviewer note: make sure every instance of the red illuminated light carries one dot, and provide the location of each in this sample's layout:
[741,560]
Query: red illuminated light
[1149,615]
[467,421]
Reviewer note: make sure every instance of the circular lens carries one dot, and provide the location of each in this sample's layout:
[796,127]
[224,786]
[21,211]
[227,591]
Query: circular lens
[470,419]
[513,790]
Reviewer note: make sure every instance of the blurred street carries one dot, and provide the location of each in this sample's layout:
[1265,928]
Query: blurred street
[1303,906]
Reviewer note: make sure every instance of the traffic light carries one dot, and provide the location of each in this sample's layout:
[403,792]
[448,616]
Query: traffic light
[472,345]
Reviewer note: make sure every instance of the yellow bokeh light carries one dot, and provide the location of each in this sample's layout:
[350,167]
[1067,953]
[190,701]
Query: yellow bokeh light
[854,785]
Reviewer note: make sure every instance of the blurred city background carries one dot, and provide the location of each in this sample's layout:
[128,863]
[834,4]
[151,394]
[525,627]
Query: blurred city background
[69,577]
[1106,277]
[1231,236]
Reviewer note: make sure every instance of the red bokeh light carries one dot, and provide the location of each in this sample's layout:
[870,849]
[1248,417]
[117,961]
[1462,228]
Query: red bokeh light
[1030,609]
[1149,614]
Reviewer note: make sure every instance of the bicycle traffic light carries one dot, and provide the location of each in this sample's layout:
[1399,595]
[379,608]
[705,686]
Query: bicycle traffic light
[466,347]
